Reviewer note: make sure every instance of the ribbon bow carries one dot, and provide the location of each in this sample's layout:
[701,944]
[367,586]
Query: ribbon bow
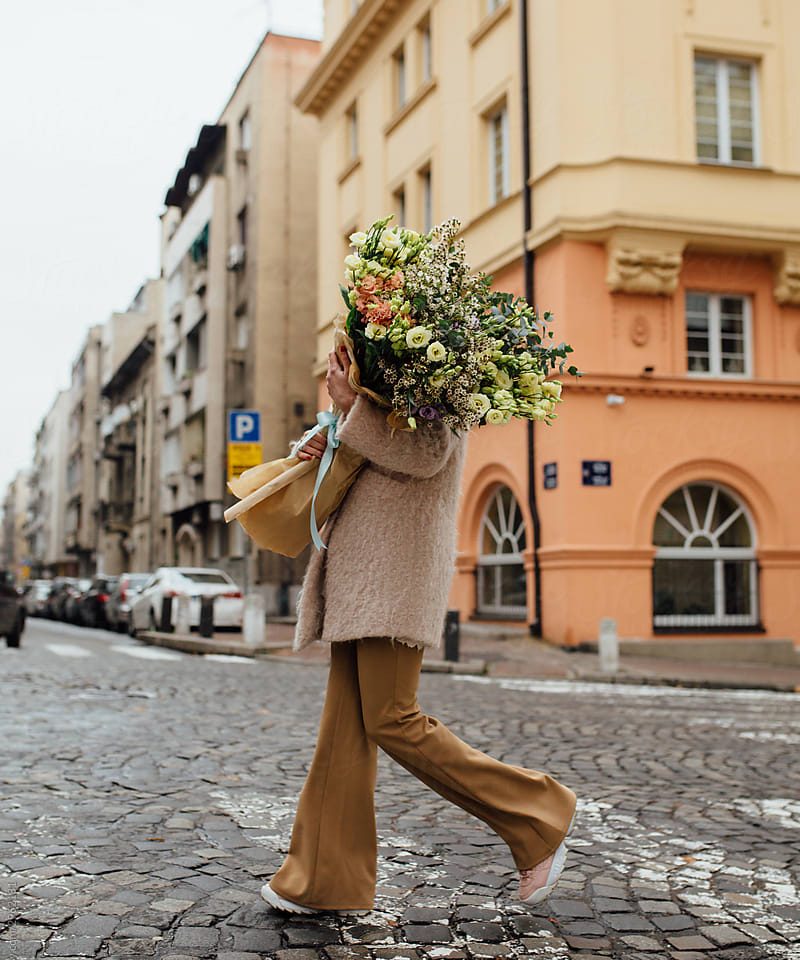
[325,420]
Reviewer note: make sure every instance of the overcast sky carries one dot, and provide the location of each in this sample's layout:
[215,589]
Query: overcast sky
[101,99]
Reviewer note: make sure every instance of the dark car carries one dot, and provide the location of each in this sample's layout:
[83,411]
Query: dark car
[118,607]
[12,611]
[93,604]
[75,595]
[57,600]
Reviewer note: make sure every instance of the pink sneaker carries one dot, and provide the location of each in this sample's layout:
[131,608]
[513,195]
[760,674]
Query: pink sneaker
[539,882]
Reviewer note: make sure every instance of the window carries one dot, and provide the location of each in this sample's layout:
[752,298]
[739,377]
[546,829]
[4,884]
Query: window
[399,203]
[726,104]
[399,69]
[492,5]
[196,347]
[501,573]
[199,248]
[426,184]
[498,154]
[241,225]
[718,335]
[351,132]
[245,131]
[425,51]
[705,572]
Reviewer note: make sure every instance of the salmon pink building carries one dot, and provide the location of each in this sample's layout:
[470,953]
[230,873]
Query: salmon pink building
[636,168]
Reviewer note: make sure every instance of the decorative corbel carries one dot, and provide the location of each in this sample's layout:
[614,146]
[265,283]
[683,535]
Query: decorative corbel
[787,276]
[638,266]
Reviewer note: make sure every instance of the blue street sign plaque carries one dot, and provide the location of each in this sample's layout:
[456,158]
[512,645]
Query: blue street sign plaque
[596,473]
[244,426]
[550,476]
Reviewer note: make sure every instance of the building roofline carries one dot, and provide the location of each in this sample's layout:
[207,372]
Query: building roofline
[336,66]
[209,138]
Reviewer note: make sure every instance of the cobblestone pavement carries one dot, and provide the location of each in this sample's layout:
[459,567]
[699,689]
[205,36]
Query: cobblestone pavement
[145,795]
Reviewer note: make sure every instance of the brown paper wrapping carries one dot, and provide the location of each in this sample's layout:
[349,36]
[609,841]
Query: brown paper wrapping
[275,499]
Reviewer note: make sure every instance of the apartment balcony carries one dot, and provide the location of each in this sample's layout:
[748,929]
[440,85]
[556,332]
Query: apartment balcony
[116,516]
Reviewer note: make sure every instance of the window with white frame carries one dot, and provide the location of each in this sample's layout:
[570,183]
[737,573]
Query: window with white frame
[400,79]
[705,572]
[426,184]
[726,110]
[351,131]
[502,587]
[718,334]
[245,131]
[498,154]
[399,198]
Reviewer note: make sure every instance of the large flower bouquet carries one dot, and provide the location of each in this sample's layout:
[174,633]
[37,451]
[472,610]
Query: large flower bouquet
[430,340]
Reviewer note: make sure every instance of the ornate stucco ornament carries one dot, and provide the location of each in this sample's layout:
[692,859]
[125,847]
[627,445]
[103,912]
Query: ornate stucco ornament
[637,270]
[787,277]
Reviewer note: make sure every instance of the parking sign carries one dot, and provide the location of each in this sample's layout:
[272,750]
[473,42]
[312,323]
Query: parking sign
[244,426]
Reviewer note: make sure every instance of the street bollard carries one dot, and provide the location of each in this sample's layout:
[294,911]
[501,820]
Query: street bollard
[452,635]
[165,625]
[206,625]
[183,616]
[608,646]
[254,624]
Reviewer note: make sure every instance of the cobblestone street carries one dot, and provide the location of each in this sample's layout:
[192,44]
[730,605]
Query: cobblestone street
[147,794]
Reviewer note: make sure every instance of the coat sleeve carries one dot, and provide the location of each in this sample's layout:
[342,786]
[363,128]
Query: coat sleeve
[420,453]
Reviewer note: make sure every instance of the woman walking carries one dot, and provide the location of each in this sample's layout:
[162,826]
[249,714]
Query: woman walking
[378,595]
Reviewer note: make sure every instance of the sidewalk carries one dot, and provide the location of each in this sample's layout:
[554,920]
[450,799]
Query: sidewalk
[514,657]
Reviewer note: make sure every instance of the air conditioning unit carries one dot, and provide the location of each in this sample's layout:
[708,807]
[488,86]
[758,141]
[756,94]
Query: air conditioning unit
[236,255]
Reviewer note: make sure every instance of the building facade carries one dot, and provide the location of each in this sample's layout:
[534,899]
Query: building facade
[80,522]
[15,557]
[45,523]
[238,324]
[129,525]
[662,174]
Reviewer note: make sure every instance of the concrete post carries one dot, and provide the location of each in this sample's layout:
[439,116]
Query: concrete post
[182,616]
[608,646]
[254,624]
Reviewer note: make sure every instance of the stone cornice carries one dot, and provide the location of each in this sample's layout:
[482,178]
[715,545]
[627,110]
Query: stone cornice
[590,555]
[345,52]
[694,388]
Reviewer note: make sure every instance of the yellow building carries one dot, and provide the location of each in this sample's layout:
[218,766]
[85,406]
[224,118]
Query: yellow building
[660,157]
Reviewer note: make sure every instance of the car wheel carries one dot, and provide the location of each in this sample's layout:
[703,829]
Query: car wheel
[13,639]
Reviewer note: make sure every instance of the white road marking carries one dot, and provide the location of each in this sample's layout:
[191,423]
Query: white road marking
[68,650]
[146,653]
[227,658]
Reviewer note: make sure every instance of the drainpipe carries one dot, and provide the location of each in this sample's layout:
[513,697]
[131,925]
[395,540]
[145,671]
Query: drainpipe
[528,270]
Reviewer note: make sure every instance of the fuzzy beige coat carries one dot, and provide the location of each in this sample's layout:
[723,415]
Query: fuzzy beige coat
[391,544]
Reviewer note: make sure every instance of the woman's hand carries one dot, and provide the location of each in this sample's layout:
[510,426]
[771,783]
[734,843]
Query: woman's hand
[339,389]
[314,448]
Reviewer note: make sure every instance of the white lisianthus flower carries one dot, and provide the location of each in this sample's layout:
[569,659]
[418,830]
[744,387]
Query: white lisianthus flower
[352,262]
[418,337]
[490,369]
[538,413]
[375,331]
[528,382]
[503,399]
[436,352]
[358,239]
[503,380]
[391,240]
[552,388]
[480,403]
[496,417]
[437,380]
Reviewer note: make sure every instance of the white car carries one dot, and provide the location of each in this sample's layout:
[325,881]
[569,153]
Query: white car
[192,582]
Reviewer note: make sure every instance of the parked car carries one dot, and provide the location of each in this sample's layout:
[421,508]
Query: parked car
[192,582]
[12,610]
[35,600]
[75,593]
[118,605]
[57,598]
[93,602]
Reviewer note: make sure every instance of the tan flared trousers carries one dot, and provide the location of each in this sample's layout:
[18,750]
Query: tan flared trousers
[371,702]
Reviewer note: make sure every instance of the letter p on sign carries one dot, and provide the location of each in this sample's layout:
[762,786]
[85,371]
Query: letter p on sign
[244,426]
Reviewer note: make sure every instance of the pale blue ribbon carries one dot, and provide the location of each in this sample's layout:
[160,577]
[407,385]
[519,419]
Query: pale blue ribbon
[329,420]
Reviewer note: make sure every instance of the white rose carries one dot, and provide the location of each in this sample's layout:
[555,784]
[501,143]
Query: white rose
[358,239]
[352,262]
[418,337]
[436,352]
[374,331]
[480,403]
[502,379]
[495,417]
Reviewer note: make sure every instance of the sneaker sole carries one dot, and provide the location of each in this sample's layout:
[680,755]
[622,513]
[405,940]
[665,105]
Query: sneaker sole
[287,906]
[557,866]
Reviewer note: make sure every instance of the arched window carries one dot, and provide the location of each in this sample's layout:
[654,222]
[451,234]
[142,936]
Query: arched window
[705,569]
[501,574]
